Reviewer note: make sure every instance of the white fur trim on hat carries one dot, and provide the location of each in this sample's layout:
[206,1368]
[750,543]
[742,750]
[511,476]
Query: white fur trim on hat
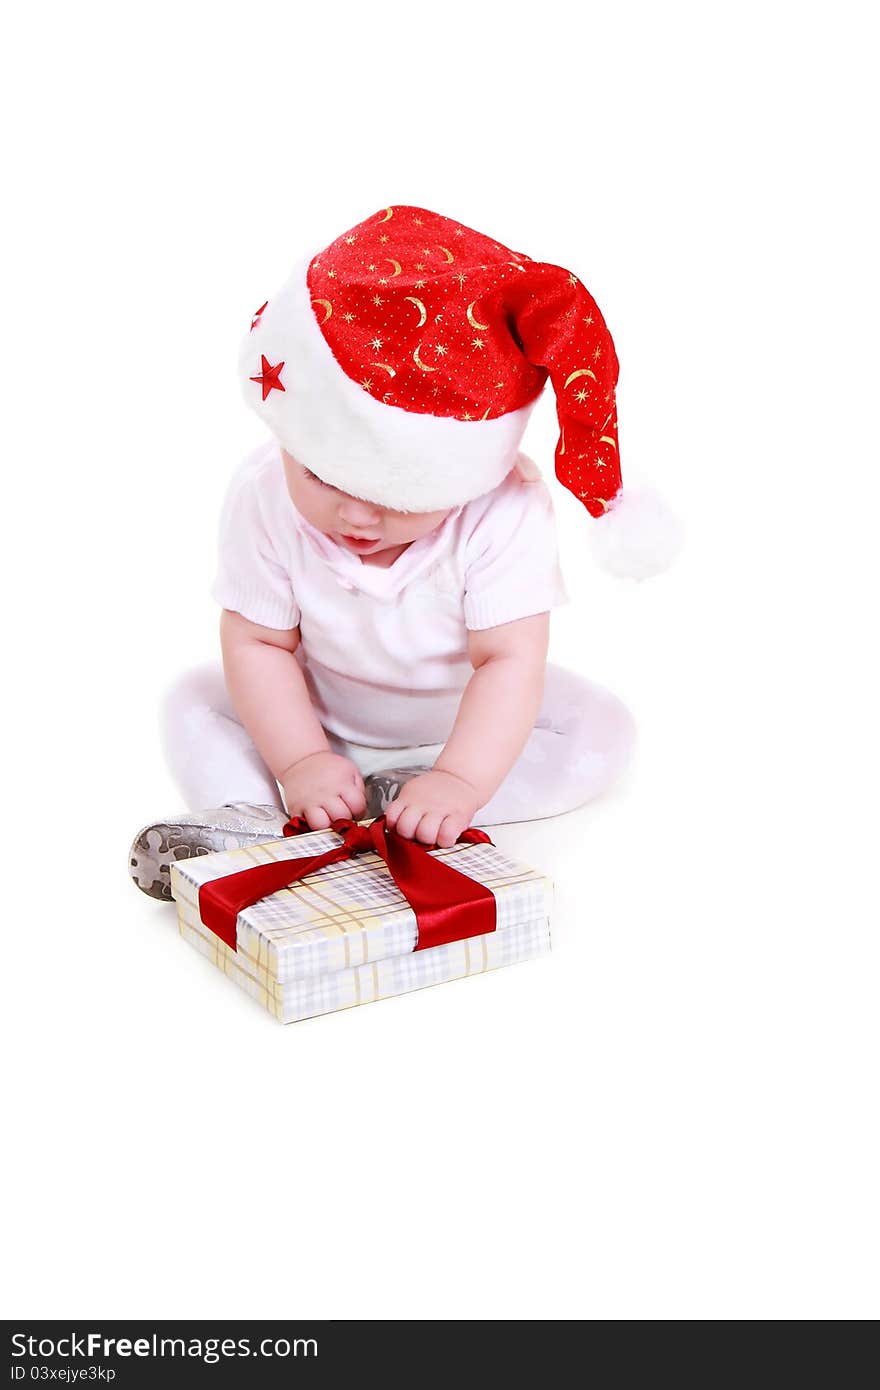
[383,453]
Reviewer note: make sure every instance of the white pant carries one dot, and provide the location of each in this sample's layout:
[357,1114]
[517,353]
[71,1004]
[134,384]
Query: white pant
[581,740]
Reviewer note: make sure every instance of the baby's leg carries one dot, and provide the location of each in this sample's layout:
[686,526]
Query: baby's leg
[209,754]
[581,741]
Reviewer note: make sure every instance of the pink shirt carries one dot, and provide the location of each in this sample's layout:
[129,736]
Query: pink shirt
[384,651]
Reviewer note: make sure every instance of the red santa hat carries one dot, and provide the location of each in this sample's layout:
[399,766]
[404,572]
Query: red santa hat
[402,362]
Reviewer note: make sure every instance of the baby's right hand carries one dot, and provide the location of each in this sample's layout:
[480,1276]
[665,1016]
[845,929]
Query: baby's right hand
[324,787]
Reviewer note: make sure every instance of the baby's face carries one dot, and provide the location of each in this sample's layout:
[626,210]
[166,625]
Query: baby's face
[364,528]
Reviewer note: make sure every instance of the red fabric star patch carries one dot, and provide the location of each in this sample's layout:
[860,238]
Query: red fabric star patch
[269,375]
[256,318]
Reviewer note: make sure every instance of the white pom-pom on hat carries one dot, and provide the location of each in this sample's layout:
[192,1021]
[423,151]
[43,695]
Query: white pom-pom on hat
[638,537]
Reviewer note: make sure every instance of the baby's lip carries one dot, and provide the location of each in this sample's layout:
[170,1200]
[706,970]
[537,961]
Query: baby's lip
[347,535]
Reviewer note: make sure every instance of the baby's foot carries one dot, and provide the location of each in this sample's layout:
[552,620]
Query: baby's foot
[231,826]
[380,788]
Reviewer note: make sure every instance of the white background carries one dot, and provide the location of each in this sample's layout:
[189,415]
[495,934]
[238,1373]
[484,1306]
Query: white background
[674,1116]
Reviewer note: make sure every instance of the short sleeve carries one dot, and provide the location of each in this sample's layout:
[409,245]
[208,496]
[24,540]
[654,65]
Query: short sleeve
[252,578]
[512,559]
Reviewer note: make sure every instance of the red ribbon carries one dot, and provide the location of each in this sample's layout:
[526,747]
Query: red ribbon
[448,905]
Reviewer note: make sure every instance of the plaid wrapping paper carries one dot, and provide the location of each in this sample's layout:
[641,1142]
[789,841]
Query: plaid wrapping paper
[346,935]
[344,989]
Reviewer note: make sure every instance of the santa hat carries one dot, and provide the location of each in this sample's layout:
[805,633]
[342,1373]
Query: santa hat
[401,364]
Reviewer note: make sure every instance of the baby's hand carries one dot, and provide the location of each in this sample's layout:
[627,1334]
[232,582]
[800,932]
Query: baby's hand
[433,808]
[324,787]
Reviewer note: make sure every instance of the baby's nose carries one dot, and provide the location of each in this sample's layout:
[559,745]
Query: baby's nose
[355,512]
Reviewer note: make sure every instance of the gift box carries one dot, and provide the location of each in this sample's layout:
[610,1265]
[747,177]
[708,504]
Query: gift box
[330,919]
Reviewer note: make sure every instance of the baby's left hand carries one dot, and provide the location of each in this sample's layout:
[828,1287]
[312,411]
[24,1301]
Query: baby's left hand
[433,808]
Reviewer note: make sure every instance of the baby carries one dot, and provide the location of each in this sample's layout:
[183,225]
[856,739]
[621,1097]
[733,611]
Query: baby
[388,560]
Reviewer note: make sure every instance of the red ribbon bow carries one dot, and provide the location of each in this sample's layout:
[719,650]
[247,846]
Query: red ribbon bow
[448,905]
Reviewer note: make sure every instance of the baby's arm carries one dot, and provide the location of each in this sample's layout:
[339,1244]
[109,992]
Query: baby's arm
[269,694]
[497,713]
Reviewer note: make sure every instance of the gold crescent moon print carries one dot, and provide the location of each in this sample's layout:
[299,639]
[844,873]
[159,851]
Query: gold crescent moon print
[328,306]
[421,308]
[385,367]
[470,317]
[447,253]
[389,213]
[419,363]
[581,371]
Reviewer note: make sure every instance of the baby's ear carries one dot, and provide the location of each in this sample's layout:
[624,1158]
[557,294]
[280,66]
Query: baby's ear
[527,470]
